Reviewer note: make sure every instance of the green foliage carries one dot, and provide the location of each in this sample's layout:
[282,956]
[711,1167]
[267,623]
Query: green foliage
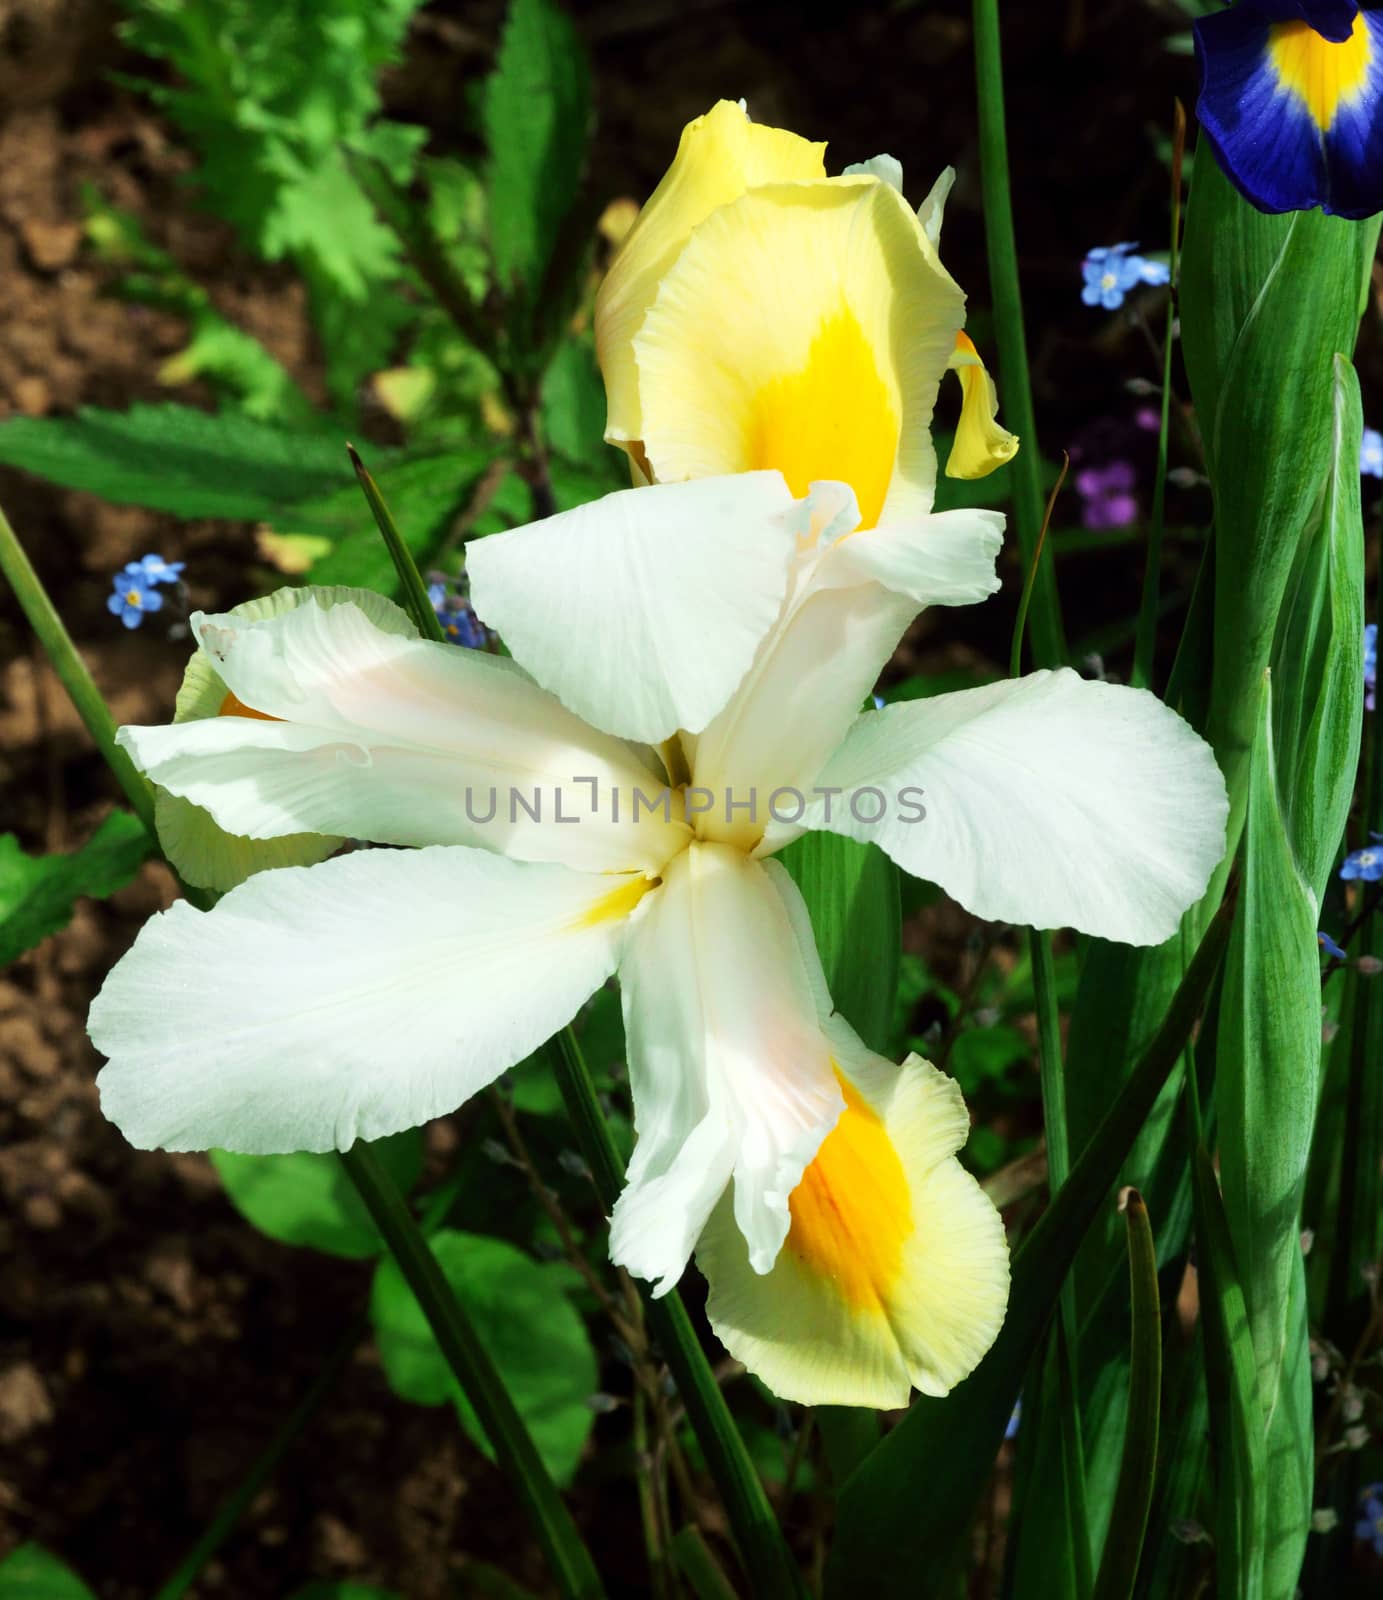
[537,112]
[37,893]
[306,1199]
[851,890]
[344,1591]
[883,1527]
[539,1343]
[273,139]
[31,1573]
[172,458]
[231,360]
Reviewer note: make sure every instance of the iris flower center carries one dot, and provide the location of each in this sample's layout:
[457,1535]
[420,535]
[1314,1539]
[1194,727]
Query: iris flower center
[852,1213]
[1321,74]
[832,419]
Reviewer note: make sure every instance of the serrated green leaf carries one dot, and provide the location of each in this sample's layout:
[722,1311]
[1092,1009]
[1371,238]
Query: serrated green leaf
[37,893]
[852,896]
[175,459]
[522,1316]
[308,1200]
[537,113]
[31,1573]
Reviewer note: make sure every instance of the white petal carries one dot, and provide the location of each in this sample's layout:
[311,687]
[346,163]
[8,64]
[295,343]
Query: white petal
[402,741]
[932,210]
[731,1075]
[942,560]
[887,169]
[642,611]
[318,1005]
[1048,800]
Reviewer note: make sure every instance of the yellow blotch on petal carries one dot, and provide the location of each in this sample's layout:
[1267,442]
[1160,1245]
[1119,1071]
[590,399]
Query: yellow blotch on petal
[832,419]
[852,1212]
[1322,74]
[981,444]
[617,905]
[231,707]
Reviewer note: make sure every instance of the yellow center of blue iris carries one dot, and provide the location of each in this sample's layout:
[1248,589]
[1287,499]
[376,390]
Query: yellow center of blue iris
[1321,74]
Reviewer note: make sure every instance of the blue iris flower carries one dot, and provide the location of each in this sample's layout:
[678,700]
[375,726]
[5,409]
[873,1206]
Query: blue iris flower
[1366,865]
[134,597]
[1292,102]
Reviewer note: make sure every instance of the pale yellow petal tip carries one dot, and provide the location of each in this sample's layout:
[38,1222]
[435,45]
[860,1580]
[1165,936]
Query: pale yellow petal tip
[981,444]
[894,1274]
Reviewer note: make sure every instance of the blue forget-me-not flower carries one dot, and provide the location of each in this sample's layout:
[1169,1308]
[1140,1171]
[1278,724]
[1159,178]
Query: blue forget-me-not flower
[1367,864]
[1292,102]
[134,592]
[1329,946]
[1110,271]
[1371,454]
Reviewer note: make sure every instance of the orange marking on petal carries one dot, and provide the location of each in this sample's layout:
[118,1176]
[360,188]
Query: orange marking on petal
[852,1212]
[231,707]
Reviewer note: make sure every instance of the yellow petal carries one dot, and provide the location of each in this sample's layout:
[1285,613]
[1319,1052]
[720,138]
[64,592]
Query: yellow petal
[204,853]
[719,157]
[804,327]
[894,1274]
[981,444]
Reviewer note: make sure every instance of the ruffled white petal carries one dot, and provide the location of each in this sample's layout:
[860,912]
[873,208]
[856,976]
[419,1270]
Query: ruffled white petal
[642,611]
[203,853]
[731,1076]
[319,1005]
[1048,800]
[946,559]
[369,735]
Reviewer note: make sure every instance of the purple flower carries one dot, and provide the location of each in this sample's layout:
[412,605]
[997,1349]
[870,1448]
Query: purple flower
[1370,664]
[1108,495]
[1369,1528]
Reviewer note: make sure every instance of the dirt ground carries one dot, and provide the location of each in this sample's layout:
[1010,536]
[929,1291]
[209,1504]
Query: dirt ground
[150,1340]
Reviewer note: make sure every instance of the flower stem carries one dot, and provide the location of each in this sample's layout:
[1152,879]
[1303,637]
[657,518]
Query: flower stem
[72,671]
[466,1356]
[773,1574]
[1049,643]
[1141,676]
